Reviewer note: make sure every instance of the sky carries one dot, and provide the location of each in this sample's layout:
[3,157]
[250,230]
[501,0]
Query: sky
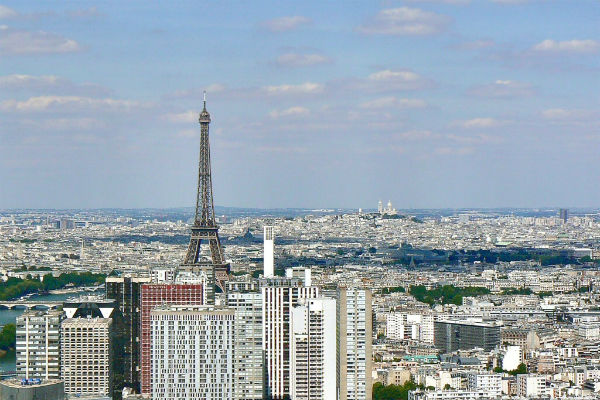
[427,103]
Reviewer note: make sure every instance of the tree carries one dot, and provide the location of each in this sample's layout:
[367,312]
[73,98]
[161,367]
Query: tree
[8,337]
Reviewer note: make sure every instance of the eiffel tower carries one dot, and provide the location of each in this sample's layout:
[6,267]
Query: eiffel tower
[205,227]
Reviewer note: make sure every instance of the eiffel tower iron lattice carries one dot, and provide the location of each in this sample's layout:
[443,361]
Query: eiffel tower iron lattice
[205,227]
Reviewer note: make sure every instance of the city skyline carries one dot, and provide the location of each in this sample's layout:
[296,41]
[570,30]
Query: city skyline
[432,104]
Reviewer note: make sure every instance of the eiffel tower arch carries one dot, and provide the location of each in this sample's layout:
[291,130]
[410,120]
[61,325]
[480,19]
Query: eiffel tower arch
[205,229]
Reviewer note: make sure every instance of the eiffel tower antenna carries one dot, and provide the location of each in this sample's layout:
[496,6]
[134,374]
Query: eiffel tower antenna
[205,227]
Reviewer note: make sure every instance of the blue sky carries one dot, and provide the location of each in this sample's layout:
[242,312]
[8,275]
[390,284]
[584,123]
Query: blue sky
[428,103]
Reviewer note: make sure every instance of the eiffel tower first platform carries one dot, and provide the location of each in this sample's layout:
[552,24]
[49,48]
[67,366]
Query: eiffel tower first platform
[205,228]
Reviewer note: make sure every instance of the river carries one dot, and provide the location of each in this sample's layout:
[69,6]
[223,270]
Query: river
[7,362]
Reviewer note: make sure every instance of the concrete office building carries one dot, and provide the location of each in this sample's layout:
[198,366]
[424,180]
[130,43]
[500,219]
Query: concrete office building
[450,336]
[355,343]
[38,344]
[248,361]
[280,296]
[313,350]
[152,296]
[86,356]
[192,352]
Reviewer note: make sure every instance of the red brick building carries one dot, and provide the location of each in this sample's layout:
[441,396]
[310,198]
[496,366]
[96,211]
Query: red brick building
[153,295]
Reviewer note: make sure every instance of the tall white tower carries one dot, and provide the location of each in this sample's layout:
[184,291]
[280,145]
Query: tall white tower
[269,267]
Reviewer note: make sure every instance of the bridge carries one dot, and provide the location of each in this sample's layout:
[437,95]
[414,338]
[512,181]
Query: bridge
[30,304]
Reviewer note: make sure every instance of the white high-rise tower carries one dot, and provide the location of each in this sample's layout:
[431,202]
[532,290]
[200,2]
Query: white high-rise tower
[269,264]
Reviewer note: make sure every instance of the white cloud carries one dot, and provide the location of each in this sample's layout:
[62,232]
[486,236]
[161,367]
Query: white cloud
[39,42]
[290,112]
[568,114]
[388,80]
[568,46]
[301,60]
[184,117]
[19,80]
[457,2]
[473,140]
[405,21]
[389,75]
[478,123]
[514,1]
[6,12]
[393,102]
[503,89]
[454,151]
[66,103]
[416,135]
[49,84]
[303,88]
[284,24]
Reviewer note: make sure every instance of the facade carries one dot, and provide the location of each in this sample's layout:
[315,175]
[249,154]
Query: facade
[248,359]
[313,350]
[450,336]
[534,386]
[410,326]
[355,343]
[86,356]
[192,352]
[12,389]
[280,296]
[38,344]
[126,292]
[152,296]
[488,382]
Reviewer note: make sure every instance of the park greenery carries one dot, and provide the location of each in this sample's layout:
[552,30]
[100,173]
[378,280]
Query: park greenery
[396,289]
[393,392]
[15,287]
[521,369]
[446,294]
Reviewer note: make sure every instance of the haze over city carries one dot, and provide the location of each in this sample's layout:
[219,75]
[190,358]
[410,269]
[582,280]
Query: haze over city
[432,104]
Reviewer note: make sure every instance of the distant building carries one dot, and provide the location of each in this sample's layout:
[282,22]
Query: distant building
[86,356]
[38,344]
[450,336]
[563,214]
[192,351]
[268,258]
[355,343]
[313,350]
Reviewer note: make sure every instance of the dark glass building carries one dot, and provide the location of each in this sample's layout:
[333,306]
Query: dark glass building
[450,336]
[125,291]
